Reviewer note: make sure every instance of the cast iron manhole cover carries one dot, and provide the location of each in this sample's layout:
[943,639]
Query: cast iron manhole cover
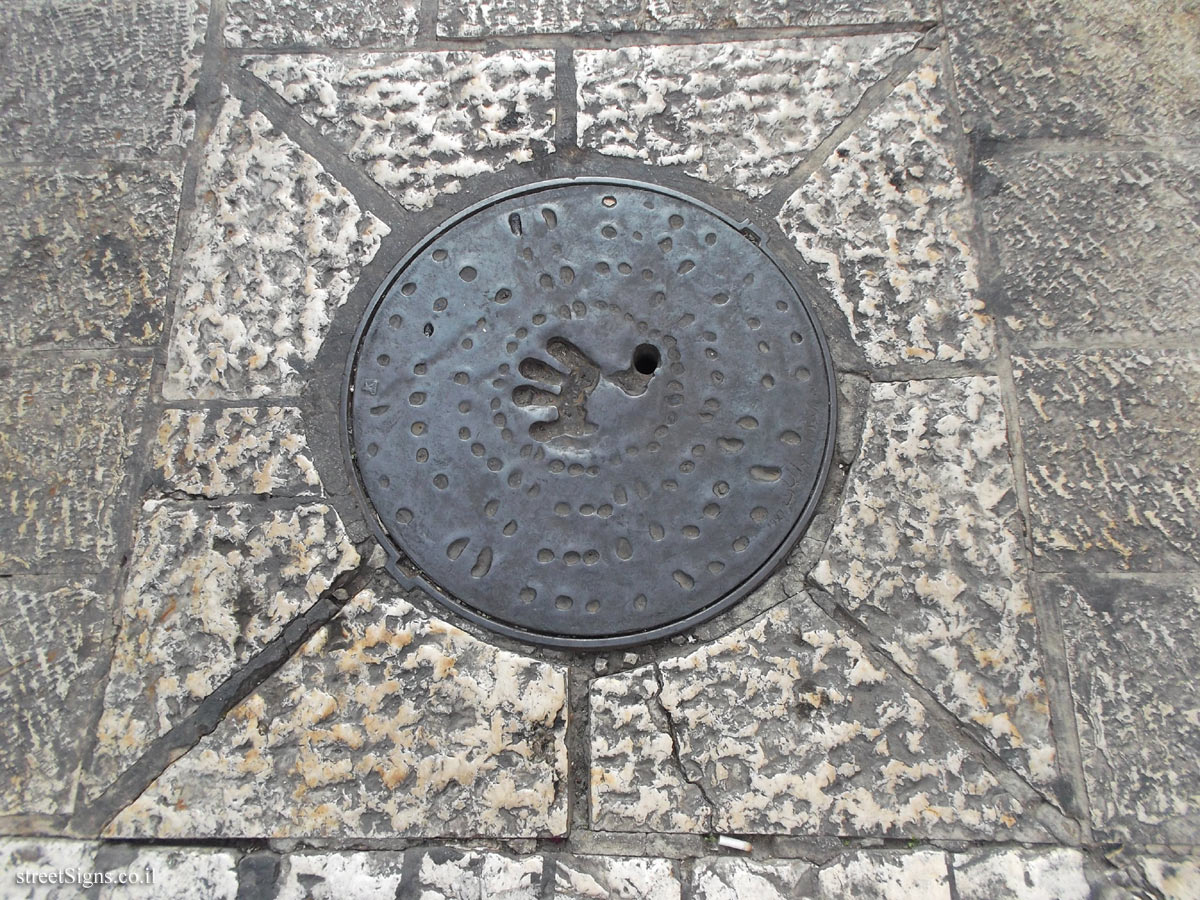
[591,412]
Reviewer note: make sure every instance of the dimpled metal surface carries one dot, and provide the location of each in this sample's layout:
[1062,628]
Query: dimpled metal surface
[591,413]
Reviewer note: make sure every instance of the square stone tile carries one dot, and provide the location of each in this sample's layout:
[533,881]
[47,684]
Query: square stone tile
[208,589]
[928,553]
[387,723]
[87,253]
[784,726]
[421,124]
[318,23]
[743,115]
[886,224]
[91,78]
[53,660]
[1033,68]
[1112,457]
[476,18]
[68,429]
[1094,245]
[275,245]
[1133,645]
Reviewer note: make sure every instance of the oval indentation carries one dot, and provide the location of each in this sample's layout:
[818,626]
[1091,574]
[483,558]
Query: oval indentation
[408,289]
[549,217]
[802,374]
[686,266]
[748,422]
[712,510]
[395,321]
[510,528]
[562,601]
[741,544]
[593,606]
[545,555]
[380,409]
[691,532]
[440,255]
[765,473]
[716,567]
[790,437]
[404,516]
[527,595]
[417,428]
[441,482]
[483,563]
[683,579]
[454,551]
[416,398]
[731,445]
[657,532]
[467,273]
[491,507]
[515,225]
[676,221]
[624,548]
[758,514]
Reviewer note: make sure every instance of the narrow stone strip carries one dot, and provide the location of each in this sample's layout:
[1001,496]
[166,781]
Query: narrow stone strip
[566,128]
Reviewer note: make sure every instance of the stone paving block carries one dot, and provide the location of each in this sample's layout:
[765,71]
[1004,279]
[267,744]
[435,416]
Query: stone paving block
[742,115]
[53,659]
[28,864]
[208,589]
[888,876]
[615,877]
[1132,645]
[885,223]
[237,450]
[446,874]
[1034,68]
[478,18]
[1094,244]
[275,246]
[329,876]
[783,726]
[89,78]
[1176,880]
[1020,875]
[928,553]
[387,723]
[422,123]
[178,873]
[739,879]
[1112,457]
[87,255]
[288,23]
[67,430]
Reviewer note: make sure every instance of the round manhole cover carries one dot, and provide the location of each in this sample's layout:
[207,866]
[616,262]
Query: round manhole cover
[591,412]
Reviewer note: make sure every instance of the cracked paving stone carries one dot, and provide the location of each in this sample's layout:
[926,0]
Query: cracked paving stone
[478,18]
[88,255]
[928,554]
[784,726]
[67,431]
[1132,642]
[53,659]
[1174,879]
[1021,875]
[742,115]
[885,223]
[208,589]
[387,723]
[86,78]
[276,246]
[1094,245]
[238,450]
[888,876]
[615,877]
[1041,68]
[1112,457]
[422,123]
[288,23]
[741,879]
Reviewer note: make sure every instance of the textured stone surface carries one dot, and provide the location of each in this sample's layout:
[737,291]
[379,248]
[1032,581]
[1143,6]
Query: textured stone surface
[1177,880]
[67,429]
[470,18]
[246,450]
[1066,67]
[738,879]
[386,723]
[179,873]
[885,223]
[783,726]
[1132,645]
[1112,457]
[1020,875]
[275,246]
[52,662]
[421,123]
[618,878]
[888,876]
[928,553]
[97,77]
[208,589]
[1094,244]
[85,262]
[743,115]
[35,858]
[286,23]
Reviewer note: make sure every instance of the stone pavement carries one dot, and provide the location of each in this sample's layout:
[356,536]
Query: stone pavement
[974,676]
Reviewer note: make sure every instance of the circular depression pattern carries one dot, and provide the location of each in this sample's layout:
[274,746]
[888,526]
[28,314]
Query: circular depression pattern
[590,412]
